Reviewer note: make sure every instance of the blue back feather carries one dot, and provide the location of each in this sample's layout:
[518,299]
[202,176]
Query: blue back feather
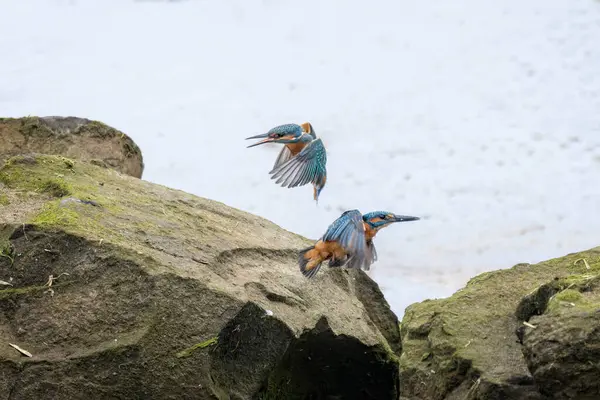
[348,230]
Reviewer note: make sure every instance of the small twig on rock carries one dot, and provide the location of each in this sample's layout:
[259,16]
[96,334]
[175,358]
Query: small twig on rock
[535,290]
[51,279]
[20,350]
[587,266]
[529,325]
[24,233]
[473,388]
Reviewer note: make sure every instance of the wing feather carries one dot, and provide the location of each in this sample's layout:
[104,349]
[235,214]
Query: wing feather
[288,174]
[348,230]
[307,166]
[284,155]
[364,260]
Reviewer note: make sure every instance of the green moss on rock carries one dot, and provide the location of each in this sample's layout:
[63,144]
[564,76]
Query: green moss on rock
[561,344]
[55,188]
[53,215]
[160,266]
[474,334]
[188,352]
[12,292]
[13,176]
[578,296]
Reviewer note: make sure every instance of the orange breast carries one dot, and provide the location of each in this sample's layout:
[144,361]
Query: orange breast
[295,148]
[329,249]
[369,232]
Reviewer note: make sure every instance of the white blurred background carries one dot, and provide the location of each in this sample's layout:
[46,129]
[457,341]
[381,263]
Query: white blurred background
[482,117]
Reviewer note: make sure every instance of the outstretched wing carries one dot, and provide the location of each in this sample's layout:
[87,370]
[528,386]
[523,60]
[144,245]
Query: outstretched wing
[307,166]
[284,155]
[348,230]
[366,259]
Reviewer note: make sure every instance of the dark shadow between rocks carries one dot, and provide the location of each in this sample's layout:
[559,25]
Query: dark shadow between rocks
[320,365]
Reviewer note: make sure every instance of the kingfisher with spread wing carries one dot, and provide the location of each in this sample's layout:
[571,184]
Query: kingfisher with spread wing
[348,240]
[302,159]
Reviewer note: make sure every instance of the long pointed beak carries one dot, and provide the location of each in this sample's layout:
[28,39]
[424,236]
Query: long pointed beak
[263,135]
[405,218]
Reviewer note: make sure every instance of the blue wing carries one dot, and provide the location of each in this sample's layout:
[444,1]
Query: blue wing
[307,166]
[348,230]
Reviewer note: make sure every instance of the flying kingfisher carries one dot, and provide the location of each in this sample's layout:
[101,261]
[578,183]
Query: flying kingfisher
[303,158]
[349,239]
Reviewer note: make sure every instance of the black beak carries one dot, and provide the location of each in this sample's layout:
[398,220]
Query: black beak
[405,218]
[261,136]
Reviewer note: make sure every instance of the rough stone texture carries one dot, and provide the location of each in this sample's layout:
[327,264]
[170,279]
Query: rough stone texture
[71,137]
[159,294]
[563,350]
[476,345]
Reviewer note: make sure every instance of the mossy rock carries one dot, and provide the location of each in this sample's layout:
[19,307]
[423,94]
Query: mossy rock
[75,138]
[562,344]
[479,343]
[126,289]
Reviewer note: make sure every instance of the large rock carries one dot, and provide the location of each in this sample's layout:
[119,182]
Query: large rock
[529,332]
[71,137]
[562,345]
[120,288]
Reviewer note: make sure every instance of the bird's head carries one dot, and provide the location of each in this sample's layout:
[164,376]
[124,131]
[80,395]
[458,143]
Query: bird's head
[381,219]
[288,133]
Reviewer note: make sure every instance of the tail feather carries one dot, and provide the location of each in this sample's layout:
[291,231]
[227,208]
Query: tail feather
[310,261]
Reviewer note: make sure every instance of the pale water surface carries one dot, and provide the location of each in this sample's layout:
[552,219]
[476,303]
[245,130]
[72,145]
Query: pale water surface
[481,116]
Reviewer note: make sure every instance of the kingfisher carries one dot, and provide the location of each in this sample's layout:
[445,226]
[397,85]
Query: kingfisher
[302,160]
[348,240]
